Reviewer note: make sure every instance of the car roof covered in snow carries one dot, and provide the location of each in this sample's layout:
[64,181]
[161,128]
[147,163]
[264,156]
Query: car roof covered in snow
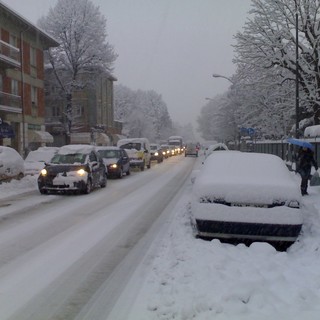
[235,175]
[76,148]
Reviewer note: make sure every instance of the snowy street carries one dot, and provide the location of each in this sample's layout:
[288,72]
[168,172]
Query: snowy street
[128,252]
[56,251]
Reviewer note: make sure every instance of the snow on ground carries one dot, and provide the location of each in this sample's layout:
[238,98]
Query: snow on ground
[195,279]
[15,187]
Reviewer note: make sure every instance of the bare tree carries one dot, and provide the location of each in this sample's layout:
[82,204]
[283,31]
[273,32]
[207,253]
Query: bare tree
[268,42]
[143,113]
[80,29]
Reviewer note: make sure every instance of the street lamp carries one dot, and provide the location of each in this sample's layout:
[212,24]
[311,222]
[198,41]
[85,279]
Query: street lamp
[215,75]
[297,72]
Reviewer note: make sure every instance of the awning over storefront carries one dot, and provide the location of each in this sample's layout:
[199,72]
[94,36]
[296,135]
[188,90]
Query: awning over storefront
[102,139]
[80,138]
[6,130]
[40,136]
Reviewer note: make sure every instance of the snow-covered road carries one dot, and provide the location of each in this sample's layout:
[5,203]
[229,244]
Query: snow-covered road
[59,252]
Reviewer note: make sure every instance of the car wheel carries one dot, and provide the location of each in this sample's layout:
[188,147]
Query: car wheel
[42,191]
[128,172]
[88,187]
[120,174]
[103,183]
[20,176]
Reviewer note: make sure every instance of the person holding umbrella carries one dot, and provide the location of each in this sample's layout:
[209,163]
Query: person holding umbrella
[305,162]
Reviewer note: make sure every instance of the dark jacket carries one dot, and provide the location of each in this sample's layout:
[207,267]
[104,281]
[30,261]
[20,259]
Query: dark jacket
[306,161]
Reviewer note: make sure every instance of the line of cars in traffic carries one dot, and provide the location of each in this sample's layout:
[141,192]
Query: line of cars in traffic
[236,195]
[80,168]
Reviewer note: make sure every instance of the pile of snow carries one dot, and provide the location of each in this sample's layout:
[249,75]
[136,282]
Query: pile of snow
[312,131]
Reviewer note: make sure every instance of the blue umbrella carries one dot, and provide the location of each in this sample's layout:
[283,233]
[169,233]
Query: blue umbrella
[300,143]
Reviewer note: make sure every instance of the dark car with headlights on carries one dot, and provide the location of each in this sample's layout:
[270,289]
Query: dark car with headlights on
[74,169]
[156,152]
[116,161]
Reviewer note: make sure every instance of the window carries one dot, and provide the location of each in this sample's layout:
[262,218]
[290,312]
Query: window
[33,56]
[14,87]
[77,110]
[56,111]
[34,96]
[13,40]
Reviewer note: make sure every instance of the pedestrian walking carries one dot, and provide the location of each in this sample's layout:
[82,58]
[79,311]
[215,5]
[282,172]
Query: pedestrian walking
[305,162]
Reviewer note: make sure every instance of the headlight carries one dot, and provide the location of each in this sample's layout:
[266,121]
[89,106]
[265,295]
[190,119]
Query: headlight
[294,204]
[156,153]
[44,172]
[114,166]
[81,172]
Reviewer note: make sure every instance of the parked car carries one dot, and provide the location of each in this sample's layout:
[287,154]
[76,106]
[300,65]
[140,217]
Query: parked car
[35,160]
[74,168]
[156,152]
[138,150]
[11,164]
[246,197]
[215,147]
[191,149]
[116,161]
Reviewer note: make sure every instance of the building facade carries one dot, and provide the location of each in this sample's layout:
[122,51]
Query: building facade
[22,110]
[90,118]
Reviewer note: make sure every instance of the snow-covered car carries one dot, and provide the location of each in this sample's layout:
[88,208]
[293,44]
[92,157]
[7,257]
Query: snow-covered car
[138,150]
[215,147]
[246,197]
[116,161]
[35,160]
[11,164]
[156,152]
[74,168]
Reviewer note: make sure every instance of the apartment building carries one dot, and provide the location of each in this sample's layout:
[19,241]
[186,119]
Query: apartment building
[22,98]
[90,119]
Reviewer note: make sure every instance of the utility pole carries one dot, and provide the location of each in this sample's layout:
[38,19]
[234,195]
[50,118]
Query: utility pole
[297,73]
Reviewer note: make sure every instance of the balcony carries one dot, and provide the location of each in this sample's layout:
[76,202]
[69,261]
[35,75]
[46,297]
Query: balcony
[10,102]
[9,55]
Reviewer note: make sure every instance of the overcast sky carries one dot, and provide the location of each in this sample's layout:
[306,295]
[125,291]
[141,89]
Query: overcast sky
[170,46]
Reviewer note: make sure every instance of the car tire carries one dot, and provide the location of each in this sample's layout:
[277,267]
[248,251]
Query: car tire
[20,176]
[42,191]
[128,172]
[88,187]
[120,174]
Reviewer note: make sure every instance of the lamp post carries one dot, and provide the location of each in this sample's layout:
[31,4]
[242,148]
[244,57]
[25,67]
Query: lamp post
[215,75]
[297,72]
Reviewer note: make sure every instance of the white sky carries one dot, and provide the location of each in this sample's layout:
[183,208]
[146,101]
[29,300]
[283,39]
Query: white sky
[170,46]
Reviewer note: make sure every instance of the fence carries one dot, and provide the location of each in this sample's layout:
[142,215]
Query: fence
[281,148]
